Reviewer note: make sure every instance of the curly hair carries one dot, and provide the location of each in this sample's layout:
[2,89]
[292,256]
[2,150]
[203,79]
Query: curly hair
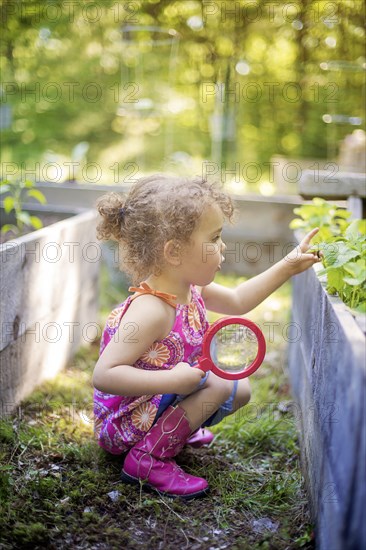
[158,208]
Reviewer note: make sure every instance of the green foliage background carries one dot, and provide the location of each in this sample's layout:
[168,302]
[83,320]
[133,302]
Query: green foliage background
[57,56]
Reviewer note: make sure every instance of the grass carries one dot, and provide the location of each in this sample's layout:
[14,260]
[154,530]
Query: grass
[59,490]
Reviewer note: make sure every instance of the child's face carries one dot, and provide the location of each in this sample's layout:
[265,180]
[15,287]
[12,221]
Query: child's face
[203,257]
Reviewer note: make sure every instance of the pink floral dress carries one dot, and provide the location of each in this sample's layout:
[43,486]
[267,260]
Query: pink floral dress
[121,421]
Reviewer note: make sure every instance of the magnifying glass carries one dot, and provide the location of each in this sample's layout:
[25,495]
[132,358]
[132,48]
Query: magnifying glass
[232,348]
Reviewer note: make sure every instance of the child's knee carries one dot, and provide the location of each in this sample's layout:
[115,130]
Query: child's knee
[219,388]
[243,394]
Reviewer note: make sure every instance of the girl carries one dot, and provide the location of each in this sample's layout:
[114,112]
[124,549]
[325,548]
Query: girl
[148,399]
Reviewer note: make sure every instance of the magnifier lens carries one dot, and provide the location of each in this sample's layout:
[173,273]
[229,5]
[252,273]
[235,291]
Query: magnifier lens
[234,348]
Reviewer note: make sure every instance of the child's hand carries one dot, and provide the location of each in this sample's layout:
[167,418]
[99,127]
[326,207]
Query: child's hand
[299,259]
[185,378]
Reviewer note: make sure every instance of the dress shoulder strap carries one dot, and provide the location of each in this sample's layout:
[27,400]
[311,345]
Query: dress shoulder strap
[144,288]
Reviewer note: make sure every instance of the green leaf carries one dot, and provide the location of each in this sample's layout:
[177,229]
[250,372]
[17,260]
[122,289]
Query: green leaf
[36,222]
[361,308]
[360,246]
[318,201]
[38,195]
[357,269]
[335,279]
[341,213]
[324,234]
[338,253]
[352,282]
[9,227]
[28,183]
[8,204]
[355,230]
[362,227]
[339,226]
[296,223]
[308,212]
[24,217]
[330,252]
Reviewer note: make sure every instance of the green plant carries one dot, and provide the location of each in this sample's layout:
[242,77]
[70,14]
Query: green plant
[344,263]
[330,218]
[18,191]
[343,245]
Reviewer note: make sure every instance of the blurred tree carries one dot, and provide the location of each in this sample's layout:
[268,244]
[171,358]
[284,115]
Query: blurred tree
[250,79]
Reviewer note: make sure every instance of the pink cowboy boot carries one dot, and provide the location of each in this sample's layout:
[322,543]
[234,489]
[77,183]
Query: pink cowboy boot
[200,437]
[150,460]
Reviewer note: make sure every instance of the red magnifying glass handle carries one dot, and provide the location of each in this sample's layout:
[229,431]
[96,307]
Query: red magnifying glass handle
[204,364]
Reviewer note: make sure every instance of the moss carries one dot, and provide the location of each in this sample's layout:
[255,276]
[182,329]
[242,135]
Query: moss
[29,535]
[6,481]
[7,433]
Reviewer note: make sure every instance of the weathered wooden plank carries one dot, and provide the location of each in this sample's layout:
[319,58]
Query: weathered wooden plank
[328,377]
[45,269]
[287,172]
[47,346]
[338,185]
[312,451]
[74,196]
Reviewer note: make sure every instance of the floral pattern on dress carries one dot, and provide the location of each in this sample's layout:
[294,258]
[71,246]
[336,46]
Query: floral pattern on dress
[156,355]
[104,396]
[98,423]
[101,410]
[174,347]
[119,440]
[105,440]
[194,323]
[194,319]
[143,416]
[115,316]
[122,421]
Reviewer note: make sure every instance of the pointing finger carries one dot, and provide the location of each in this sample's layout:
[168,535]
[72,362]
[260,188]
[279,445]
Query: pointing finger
[306,240]
[311,234]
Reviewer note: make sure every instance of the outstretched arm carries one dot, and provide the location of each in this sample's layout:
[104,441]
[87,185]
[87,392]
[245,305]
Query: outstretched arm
[248,295]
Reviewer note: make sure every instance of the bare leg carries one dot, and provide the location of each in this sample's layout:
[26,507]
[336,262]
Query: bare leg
[199,406]
[243,394]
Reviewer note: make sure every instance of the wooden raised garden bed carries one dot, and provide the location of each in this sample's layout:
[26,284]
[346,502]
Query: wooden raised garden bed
[328,374]
[49,303]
